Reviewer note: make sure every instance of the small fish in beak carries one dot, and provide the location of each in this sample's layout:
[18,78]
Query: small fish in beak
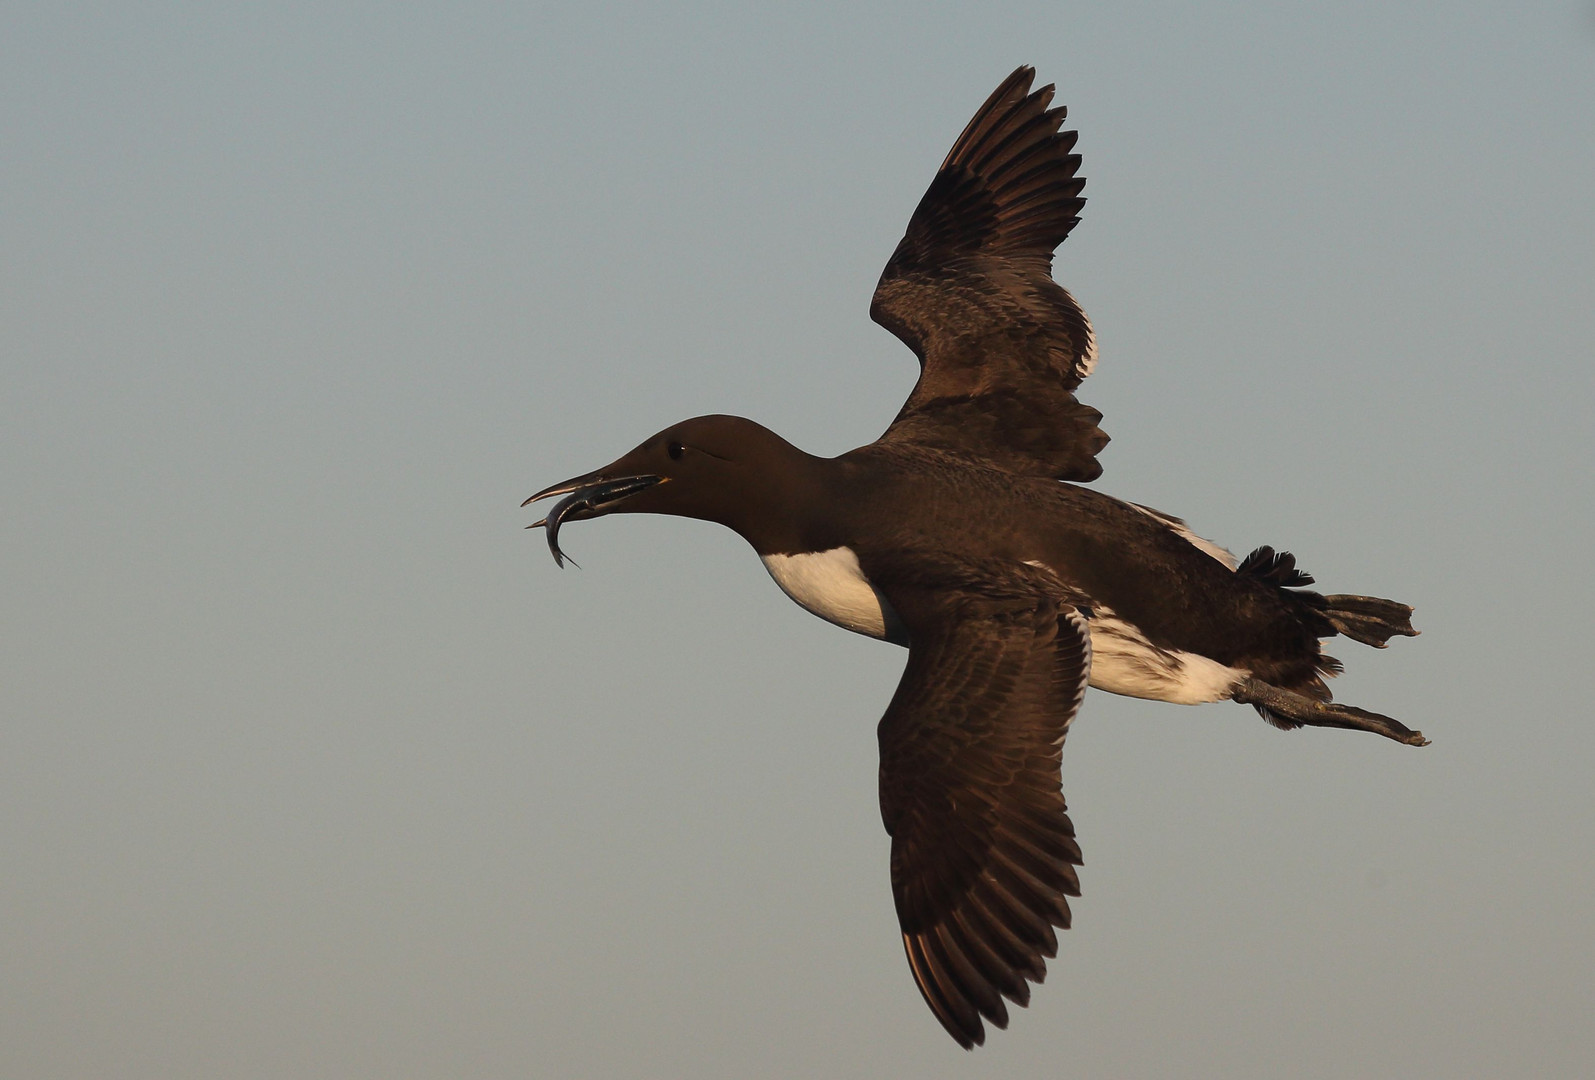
[584,498]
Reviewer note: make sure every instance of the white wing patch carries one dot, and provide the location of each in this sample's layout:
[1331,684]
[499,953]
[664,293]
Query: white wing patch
[830,584]
[1207,547]
[1088,355]
[1079,622]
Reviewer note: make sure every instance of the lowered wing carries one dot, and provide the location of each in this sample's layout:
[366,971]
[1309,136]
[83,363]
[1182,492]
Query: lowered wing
[983,852]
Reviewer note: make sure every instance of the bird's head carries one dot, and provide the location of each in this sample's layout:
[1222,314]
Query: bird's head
[717,468]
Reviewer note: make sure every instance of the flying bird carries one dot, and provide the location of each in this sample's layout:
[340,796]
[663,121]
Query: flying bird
[963,534]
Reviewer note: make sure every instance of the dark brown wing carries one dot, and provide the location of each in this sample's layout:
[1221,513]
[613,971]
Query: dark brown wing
[1001,345]
[983,853]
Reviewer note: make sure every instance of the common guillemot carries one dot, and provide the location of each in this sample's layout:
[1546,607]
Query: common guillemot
[962,533]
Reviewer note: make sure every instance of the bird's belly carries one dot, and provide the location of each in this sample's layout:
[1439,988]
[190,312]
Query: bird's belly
[1124,662]
[831,585]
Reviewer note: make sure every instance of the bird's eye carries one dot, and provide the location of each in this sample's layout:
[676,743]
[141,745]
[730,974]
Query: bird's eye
[675,450]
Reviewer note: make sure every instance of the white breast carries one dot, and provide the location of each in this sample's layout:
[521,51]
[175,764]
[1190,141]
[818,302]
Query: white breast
[831,585]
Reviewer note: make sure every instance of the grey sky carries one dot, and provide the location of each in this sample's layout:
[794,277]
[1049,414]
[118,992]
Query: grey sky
[313,765]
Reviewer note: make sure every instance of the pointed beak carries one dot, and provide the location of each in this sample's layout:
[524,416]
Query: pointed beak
[589,496]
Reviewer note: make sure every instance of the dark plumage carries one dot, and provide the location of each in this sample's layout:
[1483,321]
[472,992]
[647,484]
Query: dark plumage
[957,535]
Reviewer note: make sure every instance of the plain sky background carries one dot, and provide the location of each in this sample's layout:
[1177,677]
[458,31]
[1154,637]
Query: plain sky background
[313,765]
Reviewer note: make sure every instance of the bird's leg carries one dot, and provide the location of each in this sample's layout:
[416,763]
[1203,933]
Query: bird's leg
[1300,709]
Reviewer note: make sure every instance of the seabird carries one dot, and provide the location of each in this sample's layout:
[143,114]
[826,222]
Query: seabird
[963,534]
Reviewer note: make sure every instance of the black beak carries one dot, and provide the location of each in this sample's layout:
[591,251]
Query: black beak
[587,496]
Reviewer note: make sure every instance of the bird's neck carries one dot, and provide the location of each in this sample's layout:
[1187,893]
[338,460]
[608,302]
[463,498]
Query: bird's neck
[793,508]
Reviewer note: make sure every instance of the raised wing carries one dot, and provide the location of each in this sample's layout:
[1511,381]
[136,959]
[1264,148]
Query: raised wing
[1001,345]
[983,852]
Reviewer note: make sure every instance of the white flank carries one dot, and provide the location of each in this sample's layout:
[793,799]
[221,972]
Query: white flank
[1124,662]
[831,585]
[1206,546]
